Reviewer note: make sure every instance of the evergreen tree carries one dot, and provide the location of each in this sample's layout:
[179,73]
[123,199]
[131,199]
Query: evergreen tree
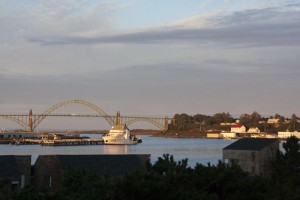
[286,175]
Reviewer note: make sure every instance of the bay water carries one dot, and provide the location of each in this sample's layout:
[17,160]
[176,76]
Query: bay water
[195,149]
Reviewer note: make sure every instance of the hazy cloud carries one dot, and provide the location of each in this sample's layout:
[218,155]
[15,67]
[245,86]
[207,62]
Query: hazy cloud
[264,27]
[26,19]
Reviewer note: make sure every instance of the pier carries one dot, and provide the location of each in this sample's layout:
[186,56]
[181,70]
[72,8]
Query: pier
[71,142]
[52,142]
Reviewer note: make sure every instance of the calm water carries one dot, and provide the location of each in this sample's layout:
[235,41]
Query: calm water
[196,150]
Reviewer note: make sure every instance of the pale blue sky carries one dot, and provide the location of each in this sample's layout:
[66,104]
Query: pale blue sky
[150,13]
[152,57]
[140,13]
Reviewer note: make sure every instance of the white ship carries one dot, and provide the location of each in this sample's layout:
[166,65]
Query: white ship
[120,135]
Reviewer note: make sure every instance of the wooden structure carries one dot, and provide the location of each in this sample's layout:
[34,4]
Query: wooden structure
[253,155]
[15,171]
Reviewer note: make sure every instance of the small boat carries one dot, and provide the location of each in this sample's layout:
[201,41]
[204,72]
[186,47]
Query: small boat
[120,135]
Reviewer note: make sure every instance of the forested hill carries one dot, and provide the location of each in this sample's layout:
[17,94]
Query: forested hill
[222,121]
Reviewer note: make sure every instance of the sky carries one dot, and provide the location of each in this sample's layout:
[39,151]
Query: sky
[150,57]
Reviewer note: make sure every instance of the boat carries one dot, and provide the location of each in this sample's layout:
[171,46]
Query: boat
[120,135]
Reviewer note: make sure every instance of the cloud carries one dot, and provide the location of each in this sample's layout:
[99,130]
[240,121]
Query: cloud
[260,27]
[246,35]
[25,19]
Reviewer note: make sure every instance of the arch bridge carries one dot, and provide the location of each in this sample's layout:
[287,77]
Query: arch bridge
[30,121]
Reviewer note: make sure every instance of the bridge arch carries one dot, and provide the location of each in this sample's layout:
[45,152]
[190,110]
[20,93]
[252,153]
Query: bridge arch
[46,113]
[151,121]
[18,121]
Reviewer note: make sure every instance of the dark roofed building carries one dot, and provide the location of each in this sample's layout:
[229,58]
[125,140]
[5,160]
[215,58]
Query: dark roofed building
[49,169]
[16,170]
[255,144]
[253,155]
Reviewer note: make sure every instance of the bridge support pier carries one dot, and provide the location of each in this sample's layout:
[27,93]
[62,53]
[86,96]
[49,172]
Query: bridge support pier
[166,125]
[30,125]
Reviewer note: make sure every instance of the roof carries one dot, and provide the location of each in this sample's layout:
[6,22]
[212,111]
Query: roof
[237,126]
[9,167]
[255,144]
[104,164]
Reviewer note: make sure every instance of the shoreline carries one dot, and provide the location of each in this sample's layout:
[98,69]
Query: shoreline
[195,133]
[170,134]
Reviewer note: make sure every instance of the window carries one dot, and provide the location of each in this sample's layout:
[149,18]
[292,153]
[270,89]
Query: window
[22,181]
[48,181]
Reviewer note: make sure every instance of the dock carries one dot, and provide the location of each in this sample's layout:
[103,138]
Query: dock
[55,142]
[71,142]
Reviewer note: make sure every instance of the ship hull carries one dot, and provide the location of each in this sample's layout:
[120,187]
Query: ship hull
[118,141]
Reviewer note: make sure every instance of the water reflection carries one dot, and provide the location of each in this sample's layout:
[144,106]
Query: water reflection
[115,149]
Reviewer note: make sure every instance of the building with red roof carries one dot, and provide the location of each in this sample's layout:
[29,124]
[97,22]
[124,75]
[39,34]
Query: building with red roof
[238,128]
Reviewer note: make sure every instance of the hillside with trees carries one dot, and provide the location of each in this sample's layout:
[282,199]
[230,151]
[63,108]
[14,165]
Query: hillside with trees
[221,121]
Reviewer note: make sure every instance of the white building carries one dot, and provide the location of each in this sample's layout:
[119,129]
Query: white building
[253,130]
[273,121]
[228,135]
[237,128]
[226,124]
[284,135]
[214,135]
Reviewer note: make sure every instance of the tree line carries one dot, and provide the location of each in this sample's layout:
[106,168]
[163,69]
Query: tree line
[175,180]
[201,122]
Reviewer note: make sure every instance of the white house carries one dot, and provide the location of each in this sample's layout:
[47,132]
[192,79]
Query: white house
[273,121]
[253,130]
[238,128]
